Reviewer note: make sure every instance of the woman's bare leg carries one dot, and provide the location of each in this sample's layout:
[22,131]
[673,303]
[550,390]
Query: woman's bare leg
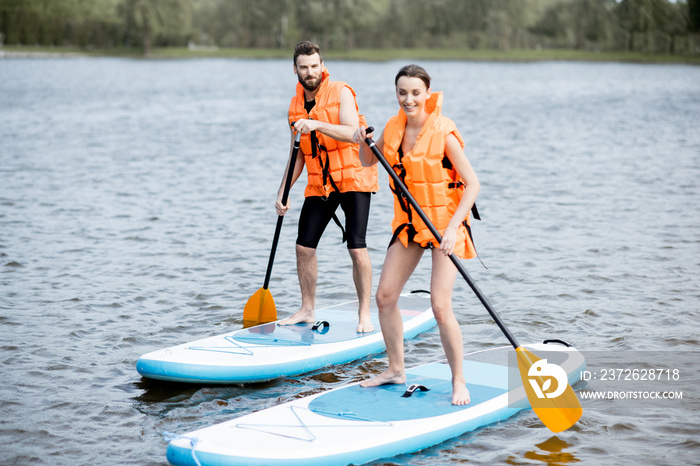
[399,264]
[441,284]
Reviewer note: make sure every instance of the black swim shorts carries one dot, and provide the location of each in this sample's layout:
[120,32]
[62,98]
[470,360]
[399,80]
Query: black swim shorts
[317,212]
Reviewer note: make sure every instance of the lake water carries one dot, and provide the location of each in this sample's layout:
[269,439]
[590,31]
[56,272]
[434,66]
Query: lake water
[137,212]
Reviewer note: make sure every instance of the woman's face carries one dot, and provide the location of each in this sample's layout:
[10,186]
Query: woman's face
[411,94]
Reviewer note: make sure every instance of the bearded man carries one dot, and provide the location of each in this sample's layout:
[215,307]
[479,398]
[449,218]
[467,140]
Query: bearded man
[325,112]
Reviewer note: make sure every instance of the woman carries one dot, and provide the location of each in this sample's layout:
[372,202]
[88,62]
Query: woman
[427,151]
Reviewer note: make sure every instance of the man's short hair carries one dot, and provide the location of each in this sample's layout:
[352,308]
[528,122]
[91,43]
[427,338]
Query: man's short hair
[306,47]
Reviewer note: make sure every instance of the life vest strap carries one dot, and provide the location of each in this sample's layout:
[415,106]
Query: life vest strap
[400,196]
[340,225]
[469,232]
[458,184]
[411,232]
[325,163]
[475,212]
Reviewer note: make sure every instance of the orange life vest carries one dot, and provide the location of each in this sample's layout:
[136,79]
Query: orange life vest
[331,165]
[429,177]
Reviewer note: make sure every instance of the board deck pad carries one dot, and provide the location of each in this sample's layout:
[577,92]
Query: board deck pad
[342,326]
[386,403]
[270,350]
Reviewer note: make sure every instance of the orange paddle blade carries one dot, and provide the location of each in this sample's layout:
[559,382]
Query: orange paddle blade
[549,392]
[259,309]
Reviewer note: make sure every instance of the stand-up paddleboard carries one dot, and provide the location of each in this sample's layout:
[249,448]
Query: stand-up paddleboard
[355,425]
[269,351]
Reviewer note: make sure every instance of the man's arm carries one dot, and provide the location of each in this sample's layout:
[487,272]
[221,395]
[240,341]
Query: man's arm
[349,120]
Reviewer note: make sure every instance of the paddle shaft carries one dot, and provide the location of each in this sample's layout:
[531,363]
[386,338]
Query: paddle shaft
[455,260]
[285,197]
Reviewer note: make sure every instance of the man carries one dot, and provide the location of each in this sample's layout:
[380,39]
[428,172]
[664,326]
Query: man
[326,114]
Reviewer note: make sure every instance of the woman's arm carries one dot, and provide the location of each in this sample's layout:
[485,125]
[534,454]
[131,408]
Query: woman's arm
[455,154]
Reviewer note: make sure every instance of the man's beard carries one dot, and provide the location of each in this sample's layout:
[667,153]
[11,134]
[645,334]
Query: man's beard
[311,85]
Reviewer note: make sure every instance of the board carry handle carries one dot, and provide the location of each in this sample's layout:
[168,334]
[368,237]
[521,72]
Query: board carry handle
[412,389]
[556,340]
[323,325]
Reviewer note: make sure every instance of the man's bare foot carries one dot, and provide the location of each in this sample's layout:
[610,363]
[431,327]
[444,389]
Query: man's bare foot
[365,325]
[384,378]
[460,394]
[300,317]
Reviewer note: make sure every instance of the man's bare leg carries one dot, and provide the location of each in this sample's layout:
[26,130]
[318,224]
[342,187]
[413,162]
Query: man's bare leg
[362,276]
[307,270]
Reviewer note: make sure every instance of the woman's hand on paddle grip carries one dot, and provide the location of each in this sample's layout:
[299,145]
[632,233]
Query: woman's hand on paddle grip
[449,239]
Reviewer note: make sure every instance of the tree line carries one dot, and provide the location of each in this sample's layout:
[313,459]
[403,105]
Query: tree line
[652,26]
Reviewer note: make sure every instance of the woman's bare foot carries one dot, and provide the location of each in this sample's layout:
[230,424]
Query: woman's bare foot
[460,394]
[386,377]
[300,317]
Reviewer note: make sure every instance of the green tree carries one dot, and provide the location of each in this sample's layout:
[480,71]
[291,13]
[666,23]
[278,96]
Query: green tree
[262,22]
[578,23]
[353,15]
[694,16]
[48,22]
[153,17]
[315,20]
[592,21]
[677,23]
[643,16]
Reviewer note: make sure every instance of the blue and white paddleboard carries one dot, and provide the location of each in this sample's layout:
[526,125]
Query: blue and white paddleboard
[355,425]
[270,351]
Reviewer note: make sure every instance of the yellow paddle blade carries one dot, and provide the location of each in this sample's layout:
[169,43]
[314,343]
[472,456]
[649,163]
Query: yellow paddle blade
[259,309]
[549,392]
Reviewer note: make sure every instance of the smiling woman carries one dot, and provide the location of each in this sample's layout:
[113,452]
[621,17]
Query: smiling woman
[428,151]
[406,87]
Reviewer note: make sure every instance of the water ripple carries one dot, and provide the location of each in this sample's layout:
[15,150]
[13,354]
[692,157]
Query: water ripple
[136,212]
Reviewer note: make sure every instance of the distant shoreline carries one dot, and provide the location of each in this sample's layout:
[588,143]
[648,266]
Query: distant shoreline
[357,54]
[36,54]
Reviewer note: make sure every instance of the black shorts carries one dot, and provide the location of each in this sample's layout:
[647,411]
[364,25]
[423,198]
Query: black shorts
[317,212]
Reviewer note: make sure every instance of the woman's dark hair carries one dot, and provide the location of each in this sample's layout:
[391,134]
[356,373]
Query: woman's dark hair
[306,48]
[414,71]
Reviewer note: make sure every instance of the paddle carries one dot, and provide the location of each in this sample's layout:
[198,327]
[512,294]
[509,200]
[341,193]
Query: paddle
[559,413]
[260,307]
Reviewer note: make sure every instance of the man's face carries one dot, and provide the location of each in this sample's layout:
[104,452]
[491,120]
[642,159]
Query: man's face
[309,70]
